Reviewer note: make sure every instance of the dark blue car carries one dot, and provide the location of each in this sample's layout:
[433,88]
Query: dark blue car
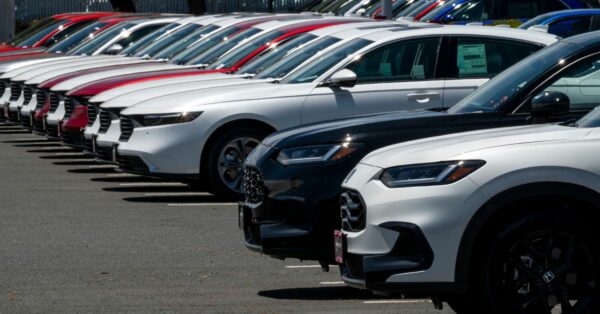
[512,12]
[567,23]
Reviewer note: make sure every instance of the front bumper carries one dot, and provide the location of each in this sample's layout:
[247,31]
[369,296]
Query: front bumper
[299,211]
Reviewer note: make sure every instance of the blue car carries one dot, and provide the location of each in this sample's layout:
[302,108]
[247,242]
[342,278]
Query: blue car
[492,12]
[568,23]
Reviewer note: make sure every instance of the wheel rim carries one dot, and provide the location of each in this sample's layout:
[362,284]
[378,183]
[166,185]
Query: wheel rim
[547,272]
[231,161]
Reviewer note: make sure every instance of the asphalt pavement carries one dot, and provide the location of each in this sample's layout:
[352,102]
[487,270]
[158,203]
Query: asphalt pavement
[76,236]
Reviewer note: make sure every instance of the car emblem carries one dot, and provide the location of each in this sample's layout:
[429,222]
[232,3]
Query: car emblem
[549,277]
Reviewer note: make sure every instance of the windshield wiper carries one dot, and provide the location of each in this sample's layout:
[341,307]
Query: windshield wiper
[571,123]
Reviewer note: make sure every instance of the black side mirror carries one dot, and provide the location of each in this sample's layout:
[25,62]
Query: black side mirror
[550,104]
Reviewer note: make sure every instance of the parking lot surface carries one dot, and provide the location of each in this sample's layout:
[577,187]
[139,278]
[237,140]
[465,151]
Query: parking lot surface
[76,236]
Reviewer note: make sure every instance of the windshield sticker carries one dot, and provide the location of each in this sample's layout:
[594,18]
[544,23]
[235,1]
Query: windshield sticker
[472,60]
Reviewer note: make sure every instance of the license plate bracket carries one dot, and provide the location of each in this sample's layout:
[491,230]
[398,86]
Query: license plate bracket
[339,240]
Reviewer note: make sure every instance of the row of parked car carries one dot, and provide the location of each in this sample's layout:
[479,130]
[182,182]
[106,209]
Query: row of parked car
[324,125]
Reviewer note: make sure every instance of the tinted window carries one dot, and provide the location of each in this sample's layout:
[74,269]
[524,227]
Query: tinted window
[240,53]
[581,83]
[66,32]
[34,29]
[184,43]
[165,41]
[204,44]
[402,61]
[481,57]
[139,38]
[570,26]
[90,47]
[35,38]
[227,44]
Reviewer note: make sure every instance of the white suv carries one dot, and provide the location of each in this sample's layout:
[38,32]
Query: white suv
[210,132]
[493,221]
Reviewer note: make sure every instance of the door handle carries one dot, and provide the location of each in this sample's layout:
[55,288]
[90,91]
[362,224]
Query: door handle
[423,98]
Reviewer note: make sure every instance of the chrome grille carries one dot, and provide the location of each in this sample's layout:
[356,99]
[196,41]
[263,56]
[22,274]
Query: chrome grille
[41,98]
[3,86]
[27,94]
[353,212]
[15,91]
[126,129]
[105,120]
[92,111]
[69,107]
[54,101]
[253,185]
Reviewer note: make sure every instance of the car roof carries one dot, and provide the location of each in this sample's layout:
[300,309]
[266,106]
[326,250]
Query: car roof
[487,31]
[552,16]
[589,39]
[351,26]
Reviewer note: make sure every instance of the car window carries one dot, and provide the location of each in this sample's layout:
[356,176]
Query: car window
[66,33]
[92,46]
[470,11]
[570,26]
[205,44]
[396,62]
[478,57]
[317,67]
[245,49]
[32,30]
[139,38]
[217,51]
[82,35]
[167,39]
[181,45]
[581,84]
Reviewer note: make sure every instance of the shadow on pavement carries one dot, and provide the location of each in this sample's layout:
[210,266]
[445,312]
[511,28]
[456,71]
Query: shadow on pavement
[74,163]
[319,294]
[62,157]
[175,199]
[92,170]
[126,179]
[49,151]
[149,189]
[38,144]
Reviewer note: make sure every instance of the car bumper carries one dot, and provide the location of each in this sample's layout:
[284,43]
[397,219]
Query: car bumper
[299,212]
[402,237]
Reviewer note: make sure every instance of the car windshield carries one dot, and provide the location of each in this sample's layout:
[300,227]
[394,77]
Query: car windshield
[84,34]
[344,6]
[89,47]
[447,7]
[590,120]
[325,62]
[204,44]
[240,53]
[152,37]
[275,53]
[181,45]
[415,8]
[34,39]
[165,41]
[294,58]
[226,44]
[491,96]
[323,5]
[41,26]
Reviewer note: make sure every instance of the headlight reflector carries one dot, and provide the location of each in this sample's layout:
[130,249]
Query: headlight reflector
[169,118]
[429,174]
[315,154]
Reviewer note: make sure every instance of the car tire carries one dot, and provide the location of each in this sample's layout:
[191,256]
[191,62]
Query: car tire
[533,265]
[225,160]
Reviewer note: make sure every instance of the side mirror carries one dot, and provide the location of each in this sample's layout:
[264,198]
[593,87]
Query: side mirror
[550,104]
[343,78]
[114,49]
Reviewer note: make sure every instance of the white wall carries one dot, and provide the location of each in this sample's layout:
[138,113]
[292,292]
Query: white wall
[7,19]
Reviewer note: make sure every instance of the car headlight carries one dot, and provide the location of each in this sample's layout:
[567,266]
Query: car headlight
[315,154]
[429,174]
[169,118]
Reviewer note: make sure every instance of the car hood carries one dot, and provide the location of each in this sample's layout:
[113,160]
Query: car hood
[14,65]
[25,67]
[130,88]
[198,100]
[133,98]
[358,128]
[108,73]
[446,147]
[40,75]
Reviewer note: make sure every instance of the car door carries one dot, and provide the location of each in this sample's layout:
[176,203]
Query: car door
[396,76]
[473,60]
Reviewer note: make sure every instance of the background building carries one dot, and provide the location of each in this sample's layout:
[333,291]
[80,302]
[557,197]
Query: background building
[7,19]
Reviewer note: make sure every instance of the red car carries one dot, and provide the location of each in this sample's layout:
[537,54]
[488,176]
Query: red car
[51,30]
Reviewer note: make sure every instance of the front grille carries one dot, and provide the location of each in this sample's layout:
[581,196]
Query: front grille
[27,94]
[92,111]
[126,129]
[253,185]
[69,107]
[54,101]
[353,212]
[40,98]
[105,121]
[15,91]
[3,86]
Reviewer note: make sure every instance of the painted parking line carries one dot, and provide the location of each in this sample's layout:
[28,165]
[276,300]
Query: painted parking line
[397,301]
[302,266]
[153,184]
[179,194]
[332,283]
[202,204]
